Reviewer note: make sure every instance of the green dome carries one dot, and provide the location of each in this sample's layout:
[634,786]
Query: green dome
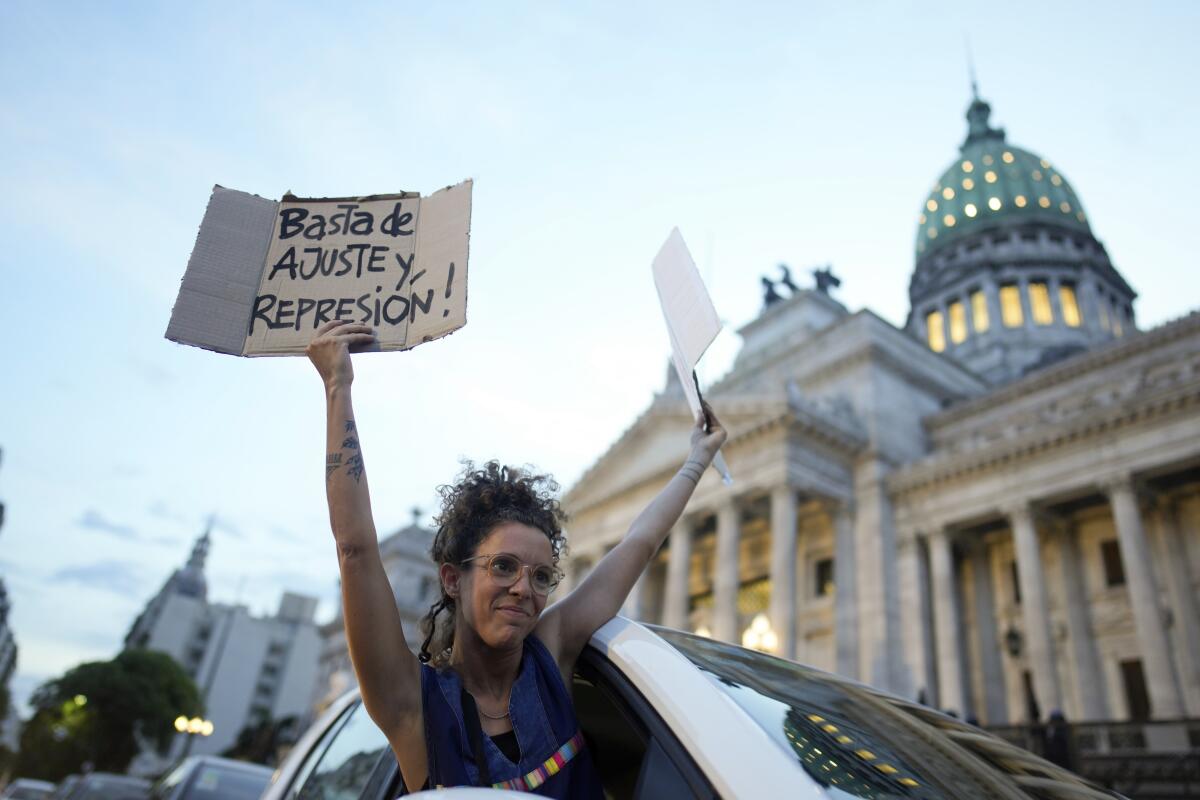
[993,182]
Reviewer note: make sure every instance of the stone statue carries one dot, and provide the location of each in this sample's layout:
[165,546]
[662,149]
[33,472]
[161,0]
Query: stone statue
[786,280]
[770,296]
[825,279]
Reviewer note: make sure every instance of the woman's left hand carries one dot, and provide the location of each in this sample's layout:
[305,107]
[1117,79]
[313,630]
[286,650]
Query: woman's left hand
[706,444]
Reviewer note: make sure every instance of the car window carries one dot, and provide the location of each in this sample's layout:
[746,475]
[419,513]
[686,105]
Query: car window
[347,763]
[858,742]
[165,784]
[215,782]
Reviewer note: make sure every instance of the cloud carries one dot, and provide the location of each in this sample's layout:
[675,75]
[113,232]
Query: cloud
[94,520]
[117,577]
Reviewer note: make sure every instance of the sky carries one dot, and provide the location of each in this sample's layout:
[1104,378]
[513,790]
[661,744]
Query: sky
[805,134]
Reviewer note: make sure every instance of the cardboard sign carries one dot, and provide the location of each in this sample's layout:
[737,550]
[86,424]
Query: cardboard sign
[692,321]
[263,276]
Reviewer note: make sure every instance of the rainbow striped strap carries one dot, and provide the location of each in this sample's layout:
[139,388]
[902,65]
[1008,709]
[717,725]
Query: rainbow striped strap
[549,767]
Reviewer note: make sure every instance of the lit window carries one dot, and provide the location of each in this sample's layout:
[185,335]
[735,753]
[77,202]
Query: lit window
[1104,320]
[931,204]
[1056,180]
[1008,157]
[994,204]
[988,161]
[967,166]
[948,220]
[1020,201]
[970,210]
[1070,308]
[979,311]
[1081,217]
[921,219]
[968,184]
[1037,174]
[1044,201]
[1045,164]
[937,334]
[989,176]
[1065,207]
[948,193]
[1116,321]
[931,232]
[1010,307]
[958,322]
[1039,304]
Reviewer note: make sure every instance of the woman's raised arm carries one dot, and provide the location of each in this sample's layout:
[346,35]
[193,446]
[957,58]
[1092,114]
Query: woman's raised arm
[388,673]
[570,623]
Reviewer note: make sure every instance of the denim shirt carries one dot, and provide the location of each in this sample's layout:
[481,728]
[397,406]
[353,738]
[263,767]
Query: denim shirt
[543,719]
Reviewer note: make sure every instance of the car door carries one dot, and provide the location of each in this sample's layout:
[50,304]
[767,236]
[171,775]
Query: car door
[351,761]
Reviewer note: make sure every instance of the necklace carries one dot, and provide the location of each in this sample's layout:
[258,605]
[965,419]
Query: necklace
[479,708]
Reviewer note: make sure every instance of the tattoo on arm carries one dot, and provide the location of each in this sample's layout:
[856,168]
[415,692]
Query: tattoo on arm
[354,464]
[354,467]
[332,462]
[351,443]
[350,426]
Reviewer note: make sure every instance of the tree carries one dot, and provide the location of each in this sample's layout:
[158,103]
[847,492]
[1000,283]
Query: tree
[260,742]
[102,713]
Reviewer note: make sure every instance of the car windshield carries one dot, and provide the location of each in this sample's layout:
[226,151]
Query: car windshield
[214,782]
[858,742]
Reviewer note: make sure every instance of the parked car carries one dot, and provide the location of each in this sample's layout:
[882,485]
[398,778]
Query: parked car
[105,786]
[670,714]
[212,778]
[27,789]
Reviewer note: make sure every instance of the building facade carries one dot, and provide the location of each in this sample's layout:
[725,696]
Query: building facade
[995,509]
[249,669]
[414,581]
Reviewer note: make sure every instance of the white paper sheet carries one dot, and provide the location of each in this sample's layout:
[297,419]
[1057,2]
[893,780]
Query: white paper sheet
[692,321]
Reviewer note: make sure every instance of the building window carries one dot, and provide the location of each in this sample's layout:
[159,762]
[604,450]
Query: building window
[1010,306]
[979,311]
[1039,304]
[1105,323]
[936,332]
[1114,570]
[823,578]
[1137,698]
[958,322]
[1016,583]
[1070,307]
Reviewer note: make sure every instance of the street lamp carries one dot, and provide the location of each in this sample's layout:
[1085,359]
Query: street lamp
[194,726]
[759,635]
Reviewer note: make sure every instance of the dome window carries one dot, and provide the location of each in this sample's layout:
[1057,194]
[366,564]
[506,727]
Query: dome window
[931,232]
[931,204]
[1065,207]
[1045,164]
[968,184]
[1010,306]
[1056,180]
[988,160]
[989,176]
[1070,307]
[1037,174]
[967,166]
[979,311]
[1008,157]
[1020,201]
[948,193]
[948,220]
[970,210]
[935,331]
[921,219]
[1044,201]
[994,203]
[1079,216]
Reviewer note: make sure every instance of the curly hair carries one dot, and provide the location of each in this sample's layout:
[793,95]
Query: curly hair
[472,506]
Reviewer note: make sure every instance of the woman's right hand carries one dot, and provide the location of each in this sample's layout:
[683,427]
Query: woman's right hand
[330,350]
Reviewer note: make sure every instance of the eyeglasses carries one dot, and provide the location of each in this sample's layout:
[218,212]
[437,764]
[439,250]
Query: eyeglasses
[506,569]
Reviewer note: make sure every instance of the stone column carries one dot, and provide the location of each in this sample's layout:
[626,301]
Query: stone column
[783,569]
[946,622]
[916,619]
[725,579]
[1081,639]
[845,606]
[1165,700]
[1035,609]
[991,667]
[876,582]
[679,563]
[1183,603]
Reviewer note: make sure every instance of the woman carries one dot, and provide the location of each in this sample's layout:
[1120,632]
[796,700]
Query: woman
[493,709]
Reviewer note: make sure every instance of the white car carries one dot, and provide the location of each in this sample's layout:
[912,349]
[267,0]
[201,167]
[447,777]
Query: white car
[668,714]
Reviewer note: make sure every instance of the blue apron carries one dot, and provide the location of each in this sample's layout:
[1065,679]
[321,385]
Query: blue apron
[553,762]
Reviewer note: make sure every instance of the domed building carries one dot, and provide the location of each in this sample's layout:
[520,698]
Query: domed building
[1009,276]
[994,510]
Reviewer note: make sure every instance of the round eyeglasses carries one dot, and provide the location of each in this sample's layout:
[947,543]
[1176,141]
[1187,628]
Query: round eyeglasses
[505,569]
